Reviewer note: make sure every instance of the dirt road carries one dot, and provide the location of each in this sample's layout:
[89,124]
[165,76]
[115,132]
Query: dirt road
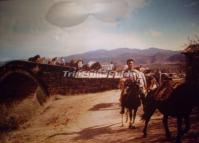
[89,118]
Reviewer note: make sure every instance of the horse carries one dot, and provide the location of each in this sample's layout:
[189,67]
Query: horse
[131,100]
[178,104]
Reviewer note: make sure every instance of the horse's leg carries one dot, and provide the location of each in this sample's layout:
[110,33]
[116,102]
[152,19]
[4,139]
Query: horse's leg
[179,130]
[130,117]
[126,113]
[145,126]
[147,121]
[143,100]
[134,114]
[187,124]
[165,123]
[122,120]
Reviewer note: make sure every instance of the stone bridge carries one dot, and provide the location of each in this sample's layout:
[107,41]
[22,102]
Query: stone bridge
[19,79]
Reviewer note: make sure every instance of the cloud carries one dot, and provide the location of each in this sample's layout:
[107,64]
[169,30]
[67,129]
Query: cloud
[22,16]
[71,40]
[24,31]
[67,14]
[91,36]
[70,13]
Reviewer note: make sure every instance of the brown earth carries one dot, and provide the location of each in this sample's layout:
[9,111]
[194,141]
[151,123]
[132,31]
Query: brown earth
[91,118]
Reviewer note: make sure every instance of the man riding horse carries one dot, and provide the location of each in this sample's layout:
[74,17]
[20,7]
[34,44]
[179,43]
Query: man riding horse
[134,75]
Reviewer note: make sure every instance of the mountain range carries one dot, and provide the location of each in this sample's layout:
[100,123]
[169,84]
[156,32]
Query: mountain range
[120,55]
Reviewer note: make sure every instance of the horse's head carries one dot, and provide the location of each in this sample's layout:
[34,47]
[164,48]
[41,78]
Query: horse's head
[132,86]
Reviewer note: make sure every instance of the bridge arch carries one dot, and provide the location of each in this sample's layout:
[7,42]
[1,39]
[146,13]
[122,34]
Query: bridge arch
[19,76]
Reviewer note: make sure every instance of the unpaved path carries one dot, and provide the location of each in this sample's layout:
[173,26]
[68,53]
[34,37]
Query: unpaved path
[90,118]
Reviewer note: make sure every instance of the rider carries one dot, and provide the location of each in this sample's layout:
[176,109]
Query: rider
[135,75]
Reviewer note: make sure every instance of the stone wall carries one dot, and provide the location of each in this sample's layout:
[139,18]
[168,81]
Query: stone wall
[20,78]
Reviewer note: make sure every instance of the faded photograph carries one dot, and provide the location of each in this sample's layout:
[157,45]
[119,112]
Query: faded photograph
[99,71]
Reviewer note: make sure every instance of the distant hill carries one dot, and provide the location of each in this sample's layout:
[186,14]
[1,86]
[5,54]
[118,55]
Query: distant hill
[141,56]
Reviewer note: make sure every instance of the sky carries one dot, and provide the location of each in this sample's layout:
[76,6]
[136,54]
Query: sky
[63,27]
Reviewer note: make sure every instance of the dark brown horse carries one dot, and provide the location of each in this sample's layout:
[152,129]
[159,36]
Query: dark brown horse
[179,104]
[131,100]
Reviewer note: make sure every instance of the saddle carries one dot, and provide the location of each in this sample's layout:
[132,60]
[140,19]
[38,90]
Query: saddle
[165,90]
